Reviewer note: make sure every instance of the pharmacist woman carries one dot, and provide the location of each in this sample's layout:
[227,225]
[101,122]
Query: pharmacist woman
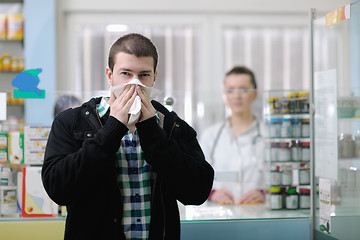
[234,147]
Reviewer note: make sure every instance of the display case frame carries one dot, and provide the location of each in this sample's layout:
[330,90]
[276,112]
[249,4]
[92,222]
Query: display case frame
[334,95]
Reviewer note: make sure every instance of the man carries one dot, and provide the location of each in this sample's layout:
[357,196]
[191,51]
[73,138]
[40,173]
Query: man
[234,147]
[119,181]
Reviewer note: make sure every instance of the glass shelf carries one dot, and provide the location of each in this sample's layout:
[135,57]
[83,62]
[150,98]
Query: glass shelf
[277,162]
[9,72]
[286,115]
[287,139]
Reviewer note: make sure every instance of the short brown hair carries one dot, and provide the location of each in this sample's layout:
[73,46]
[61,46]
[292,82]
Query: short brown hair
[243,70]
[134,44]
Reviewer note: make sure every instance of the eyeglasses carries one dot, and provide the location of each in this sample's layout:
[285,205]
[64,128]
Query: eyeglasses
[240,90]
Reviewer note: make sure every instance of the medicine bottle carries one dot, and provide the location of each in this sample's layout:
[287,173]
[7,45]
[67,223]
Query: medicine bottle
[304,174]
[293,102]
[304,198]
[292,199]
[285,128]
[305,102]
[305,151]
[295,127]
[287,176]
[275,176]
[275,127]
[6,176]
[275,198]
[274,151]
[274,106]
[305,127]
[296,150]
[284,103]
[284,152]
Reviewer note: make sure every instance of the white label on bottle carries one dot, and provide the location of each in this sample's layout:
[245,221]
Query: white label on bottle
[292,201]
[275,201]
[284,154]
[305,201]
[296,153]
[306,154]
[275,178]
[287,178]
[304,176]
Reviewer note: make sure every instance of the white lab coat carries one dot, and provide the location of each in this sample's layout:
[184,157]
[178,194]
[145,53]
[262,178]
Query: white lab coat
[237,161]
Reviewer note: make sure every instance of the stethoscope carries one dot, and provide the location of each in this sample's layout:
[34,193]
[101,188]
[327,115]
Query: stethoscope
[253,141]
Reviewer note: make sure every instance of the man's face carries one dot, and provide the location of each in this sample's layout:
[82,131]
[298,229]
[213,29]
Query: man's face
[128,67]
[239,93]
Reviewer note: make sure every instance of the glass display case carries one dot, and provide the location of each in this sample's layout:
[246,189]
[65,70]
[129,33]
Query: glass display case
[336,98]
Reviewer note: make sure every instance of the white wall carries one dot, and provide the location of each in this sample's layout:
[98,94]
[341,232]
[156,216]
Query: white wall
[205,6]
[249,12]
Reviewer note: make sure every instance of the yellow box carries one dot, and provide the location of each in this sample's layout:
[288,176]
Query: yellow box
[15,28]
[3,27]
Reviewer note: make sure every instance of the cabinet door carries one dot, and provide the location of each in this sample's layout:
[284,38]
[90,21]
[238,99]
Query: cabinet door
[336,97]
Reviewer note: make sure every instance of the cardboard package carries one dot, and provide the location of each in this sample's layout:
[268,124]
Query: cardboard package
[35,139]
[35,201]
[16,147]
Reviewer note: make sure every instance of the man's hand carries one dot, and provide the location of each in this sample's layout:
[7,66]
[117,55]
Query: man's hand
[119,109]
[252,196]
[147,109]
[222,196]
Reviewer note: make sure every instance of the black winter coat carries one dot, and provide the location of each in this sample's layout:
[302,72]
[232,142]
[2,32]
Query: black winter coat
[79,171]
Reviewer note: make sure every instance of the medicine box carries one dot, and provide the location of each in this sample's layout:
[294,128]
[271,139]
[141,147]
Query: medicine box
[8,205]
[15,27]
[3,140]
[3,147]
[35,139]
[35,201]
[3,155]
[3,27]
[16,147]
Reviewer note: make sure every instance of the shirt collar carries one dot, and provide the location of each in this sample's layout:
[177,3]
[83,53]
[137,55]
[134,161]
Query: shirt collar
[103,107]
[253,126]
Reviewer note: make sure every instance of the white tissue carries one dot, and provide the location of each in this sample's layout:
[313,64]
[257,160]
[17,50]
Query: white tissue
[135,109]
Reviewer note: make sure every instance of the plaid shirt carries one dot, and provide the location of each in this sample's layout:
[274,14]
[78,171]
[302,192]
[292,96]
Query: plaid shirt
[134,178]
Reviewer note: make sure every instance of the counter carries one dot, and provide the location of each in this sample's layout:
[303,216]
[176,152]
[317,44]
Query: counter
[211,211]
[213,221]
[208,221]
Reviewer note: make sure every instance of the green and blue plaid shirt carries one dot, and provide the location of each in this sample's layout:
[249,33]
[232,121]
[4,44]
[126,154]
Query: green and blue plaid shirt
[134,178]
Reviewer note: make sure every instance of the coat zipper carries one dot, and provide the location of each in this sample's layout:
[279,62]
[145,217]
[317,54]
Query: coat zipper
[114,167]
[173,127]
[163,208]
[98,117]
